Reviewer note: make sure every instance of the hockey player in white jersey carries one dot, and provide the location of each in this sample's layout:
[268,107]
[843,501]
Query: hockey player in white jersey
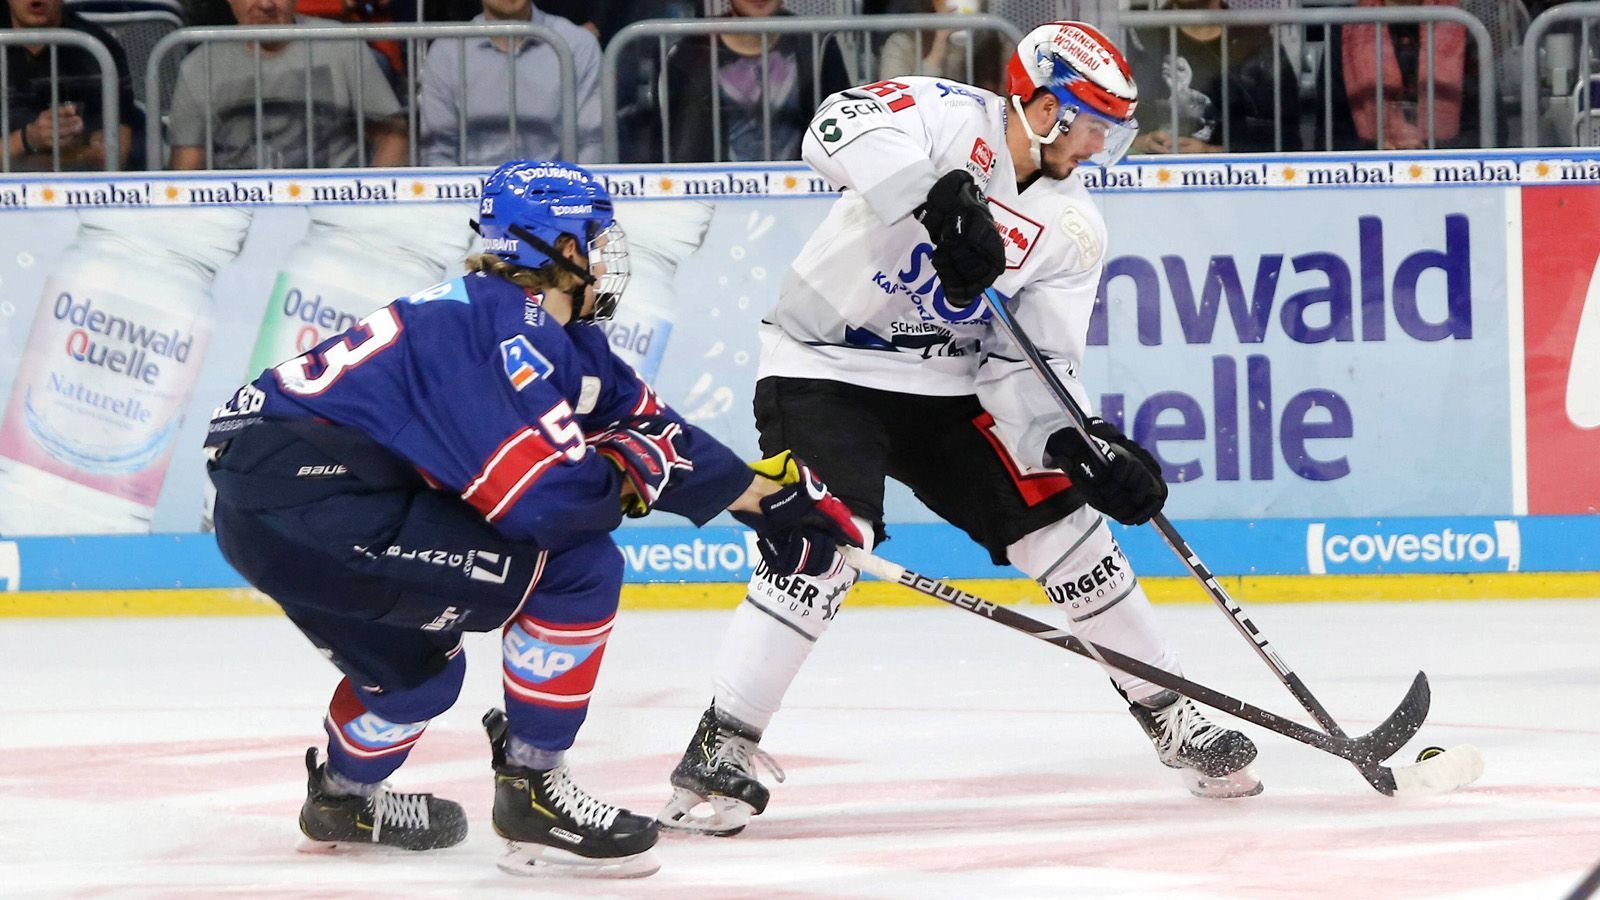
[878,363]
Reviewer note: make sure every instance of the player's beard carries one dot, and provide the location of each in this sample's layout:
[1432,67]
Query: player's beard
[1055,161]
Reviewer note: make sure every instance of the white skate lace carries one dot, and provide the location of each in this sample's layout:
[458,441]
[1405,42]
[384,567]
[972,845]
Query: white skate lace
[577,803]
[399,810]
[741,753]
[1182,724]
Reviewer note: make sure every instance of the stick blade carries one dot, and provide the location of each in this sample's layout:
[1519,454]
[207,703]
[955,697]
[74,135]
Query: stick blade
[1455,768]
[1393,733]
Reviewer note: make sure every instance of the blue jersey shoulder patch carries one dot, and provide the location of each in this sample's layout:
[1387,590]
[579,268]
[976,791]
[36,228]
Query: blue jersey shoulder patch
[522,363]
[454,289]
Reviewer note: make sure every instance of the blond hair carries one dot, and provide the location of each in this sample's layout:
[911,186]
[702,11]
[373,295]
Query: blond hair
[546,277]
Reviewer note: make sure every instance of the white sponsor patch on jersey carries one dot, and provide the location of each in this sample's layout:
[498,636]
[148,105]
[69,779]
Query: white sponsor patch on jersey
[836,126]
[1077,227]
[1019,232]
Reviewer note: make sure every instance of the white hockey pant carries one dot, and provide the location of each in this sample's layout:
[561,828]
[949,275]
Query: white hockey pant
[771,635]
[1084,571]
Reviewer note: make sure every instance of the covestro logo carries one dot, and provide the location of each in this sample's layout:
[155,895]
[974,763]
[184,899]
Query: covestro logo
[1369,547]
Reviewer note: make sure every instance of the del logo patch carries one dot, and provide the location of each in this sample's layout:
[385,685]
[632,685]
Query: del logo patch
[522,363]
[1019,232]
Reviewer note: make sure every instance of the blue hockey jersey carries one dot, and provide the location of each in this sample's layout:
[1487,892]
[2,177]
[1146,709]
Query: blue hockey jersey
[472,382]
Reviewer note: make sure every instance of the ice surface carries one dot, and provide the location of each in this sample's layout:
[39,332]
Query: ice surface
[929,754]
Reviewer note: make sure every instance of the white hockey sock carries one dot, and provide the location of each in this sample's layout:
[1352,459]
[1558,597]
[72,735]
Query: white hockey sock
[1084,571]
[771,636]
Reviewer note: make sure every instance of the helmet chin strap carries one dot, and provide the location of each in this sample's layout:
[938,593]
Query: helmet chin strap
[1034,141]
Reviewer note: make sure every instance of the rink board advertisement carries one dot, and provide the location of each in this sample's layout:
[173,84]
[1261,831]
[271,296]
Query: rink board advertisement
[715,554]
[1337,341]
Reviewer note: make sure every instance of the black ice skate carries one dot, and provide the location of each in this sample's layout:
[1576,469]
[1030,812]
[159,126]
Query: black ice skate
[1214,761]
[333,822]
[716,771]
[553,827]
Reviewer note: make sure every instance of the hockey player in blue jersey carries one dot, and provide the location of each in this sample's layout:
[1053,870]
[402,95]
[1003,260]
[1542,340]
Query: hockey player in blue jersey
[456,462]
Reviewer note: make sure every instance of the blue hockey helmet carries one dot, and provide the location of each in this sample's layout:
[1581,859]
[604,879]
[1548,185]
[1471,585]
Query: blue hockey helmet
[528,204]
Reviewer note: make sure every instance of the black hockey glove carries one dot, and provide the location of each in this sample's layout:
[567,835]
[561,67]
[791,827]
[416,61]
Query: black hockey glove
[645,453]
[801,526]
[1128,487]
[968,253]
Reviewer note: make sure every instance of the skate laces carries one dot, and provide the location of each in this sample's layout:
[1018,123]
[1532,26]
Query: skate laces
[576,802]
[741,752]
[398,810]
[1183,725]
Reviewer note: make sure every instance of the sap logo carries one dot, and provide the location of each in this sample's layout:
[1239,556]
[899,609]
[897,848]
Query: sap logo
[543,661]
[1443,549]
[10,566]
[523,364]
[370,730]
[455,290]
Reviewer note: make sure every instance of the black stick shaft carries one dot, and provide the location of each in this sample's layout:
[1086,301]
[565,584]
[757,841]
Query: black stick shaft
[1342,747]
[1175,541]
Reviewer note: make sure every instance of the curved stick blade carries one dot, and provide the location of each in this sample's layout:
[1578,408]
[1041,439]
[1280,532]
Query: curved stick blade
[1391,734]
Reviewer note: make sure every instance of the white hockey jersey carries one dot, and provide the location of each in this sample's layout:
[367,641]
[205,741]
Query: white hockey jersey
[861,304]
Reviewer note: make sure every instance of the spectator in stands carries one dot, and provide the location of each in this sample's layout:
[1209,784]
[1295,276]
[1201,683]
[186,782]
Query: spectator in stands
[391,54]
[484,97]
[1406,102]
[336,69]
[944,52]
[73,124]
[1190,81]
[739,90]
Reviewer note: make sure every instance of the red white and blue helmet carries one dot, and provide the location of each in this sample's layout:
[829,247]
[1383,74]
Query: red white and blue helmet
[1086,72]
[527,205]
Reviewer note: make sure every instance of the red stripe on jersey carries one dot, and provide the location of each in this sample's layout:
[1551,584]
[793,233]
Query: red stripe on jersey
[647,405]
[1035,487]
[513,467]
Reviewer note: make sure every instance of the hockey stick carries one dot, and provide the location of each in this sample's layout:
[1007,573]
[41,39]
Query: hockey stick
[1191,560]
[1443,772]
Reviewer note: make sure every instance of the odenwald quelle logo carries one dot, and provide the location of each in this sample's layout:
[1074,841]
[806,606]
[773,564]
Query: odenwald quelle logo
[1369,547]
[1583,377]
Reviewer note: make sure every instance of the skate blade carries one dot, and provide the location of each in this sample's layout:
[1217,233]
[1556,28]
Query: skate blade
[1240,783]
[540,861]
[727,816]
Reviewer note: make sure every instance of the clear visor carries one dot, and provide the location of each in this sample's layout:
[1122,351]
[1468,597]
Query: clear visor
[608,263]
[1085,127]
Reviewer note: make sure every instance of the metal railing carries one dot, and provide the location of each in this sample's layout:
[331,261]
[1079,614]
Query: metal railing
[817,27]
[1425,16]
[110,109]
[1588,14]
[360,34]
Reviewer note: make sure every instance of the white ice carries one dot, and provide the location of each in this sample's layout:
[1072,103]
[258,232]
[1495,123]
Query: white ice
[929,753]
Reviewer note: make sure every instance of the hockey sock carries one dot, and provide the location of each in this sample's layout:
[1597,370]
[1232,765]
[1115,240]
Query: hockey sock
[1084,571]
[771,636]
[526,755]
[370,732]
[550,669]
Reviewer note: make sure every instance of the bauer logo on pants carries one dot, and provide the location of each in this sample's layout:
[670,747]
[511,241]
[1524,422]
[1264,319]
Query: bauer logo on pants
[1426,545]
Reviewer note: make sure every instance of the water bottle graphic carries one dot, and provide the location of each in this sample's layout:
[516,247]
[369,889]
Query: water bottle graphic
[660,235]
[352,260]
[110,362]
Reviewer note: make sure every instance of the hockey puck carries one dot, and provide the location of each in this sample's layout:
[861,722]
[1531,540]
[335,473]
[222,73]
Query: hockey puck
[1429,753]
